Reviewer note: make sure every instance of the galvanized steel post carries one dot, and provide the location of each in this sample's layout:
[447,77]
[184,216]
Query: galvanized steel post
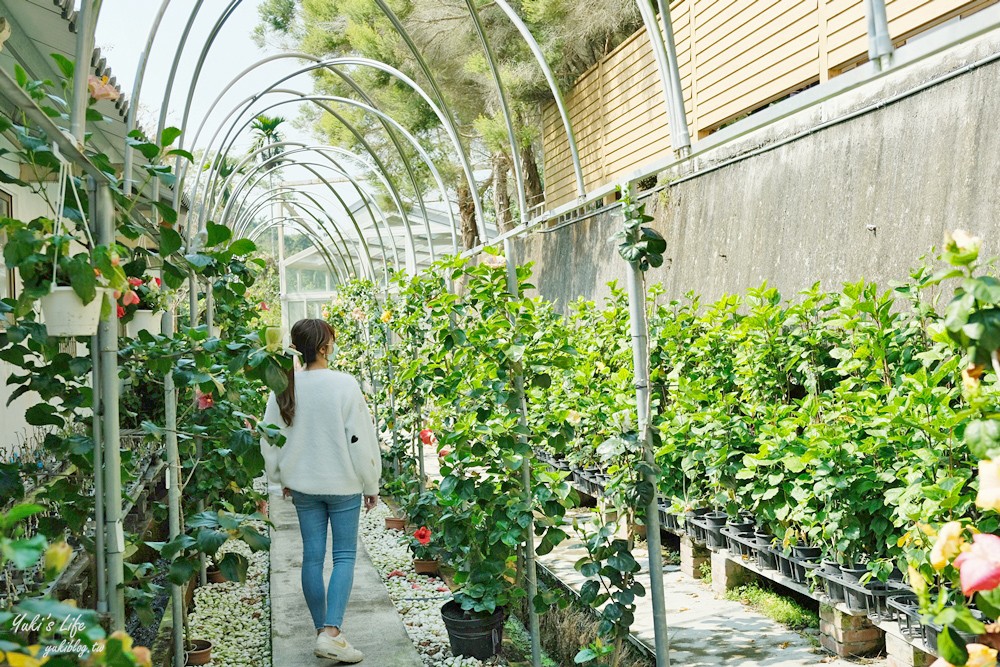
[640,360]
[108,334]
[173,481]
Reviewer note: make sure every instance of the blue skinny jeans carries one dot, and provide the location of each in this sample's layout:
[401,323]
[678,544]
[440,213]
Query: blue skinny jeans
[328,603]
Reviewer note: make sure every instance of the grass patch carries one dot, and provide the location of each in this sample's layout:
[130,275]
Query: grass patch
[706,572]
[776,607]
[517,644]
[670,557]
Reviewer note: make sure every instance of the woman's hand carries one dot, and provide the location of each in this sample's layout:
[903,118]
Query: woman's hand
[286,492]
[371,502]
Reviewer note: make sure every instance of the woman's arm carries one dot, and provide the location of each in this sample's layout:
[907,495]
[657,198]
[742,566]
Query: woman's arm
[362,441]
[272,415]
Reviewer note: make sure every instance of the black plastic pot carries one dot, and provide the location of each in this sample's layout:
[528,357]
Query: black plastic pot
[857,600]
[716,522]
[834,590]
[738,526]
[745,548]
[803,553]
[766,560]
[472,637]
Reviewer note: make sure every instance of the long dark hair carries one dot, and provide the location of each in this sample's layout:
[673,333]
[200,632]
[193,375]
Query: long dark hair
[308,338]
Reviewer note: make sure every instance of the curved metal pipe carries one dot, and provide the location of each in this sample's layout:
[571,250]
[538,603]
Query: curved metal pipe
[446,122]
[550,78]
[319,99]
[270,197]
[313,240]
[363,195]
[133,105]
[411,252]
[336,194]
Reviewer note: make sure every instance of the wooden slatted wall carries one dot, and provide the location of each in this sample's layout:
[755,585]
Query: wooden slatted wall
[734,56]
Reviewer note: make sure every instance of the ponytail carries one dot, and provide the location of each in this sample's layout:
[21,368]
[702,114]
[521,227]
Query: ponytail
[308,337]
[286,400]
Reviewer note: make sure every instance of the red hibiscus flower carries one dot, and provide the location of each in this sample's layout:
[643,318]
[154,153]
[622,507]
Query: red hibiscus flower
[423,535]
[427,436]
[159,283]
[205,401]
[121,312]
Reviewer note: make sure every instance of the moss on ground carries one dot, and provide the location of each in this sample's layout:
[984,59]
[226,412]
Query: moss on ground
[776,607]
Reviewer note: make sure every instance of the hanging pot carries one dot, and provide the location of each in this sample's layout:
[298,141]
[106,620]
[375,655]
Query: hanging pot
[428,567]
[144,320]
[470,636]
[200,652]
[66,315]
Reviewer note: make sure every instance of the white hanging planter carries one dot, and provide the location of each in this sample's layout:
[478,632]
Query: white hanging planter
[65,314]
[144,320]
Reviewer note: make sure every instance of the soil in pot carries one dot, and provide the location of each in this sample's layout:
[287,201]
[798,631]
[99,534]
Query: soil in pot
[200,652]
[471,636]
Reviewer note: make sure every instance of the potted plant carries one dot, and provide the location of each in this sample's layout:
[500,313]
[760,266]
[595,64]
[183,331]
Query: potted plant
[141,306]
[70,286]
[425,553]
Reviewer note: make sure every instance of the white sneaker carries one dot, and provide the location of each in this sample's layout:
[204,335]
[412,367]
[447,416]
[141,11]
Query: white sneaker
[337,648]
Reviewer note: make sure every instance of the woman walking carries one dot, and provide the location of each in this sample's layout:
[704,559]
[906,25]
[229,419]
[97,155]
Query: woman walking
[330,460]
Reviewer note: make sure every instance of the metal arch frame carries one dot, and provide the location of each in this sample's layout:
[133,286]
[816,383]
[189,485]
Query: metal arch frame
[314,240]
[522,202]
[269,198]
[446,122]
[319,207]
[411,251]
[663,64]
[363,194]
[319,99]
[557,95]
[329,186]
[182,171]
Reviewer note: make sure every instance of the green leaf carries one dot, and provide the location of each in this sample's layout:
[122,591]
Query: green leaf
[180,572]
[242,247]
[169,136]
[19,513]
[217,234]
[24,553]
[20,75]
[167,212]
[275,377]
[43,414]
[585,655]
[65,64]
[951,646]
[255,540]
[234,567]
[209,540]
[173,276]
[988,602]
[982,436]
[148,150]
[170,241]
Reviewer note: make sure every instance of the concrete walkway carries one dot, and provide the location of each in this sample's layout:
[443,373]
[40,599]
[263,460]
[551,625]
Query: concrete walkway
[704,631]
[371,623]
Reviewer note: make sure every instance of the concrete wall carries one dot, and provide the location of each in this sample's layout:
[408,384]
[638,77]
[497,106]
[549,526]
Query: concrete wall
[866,197]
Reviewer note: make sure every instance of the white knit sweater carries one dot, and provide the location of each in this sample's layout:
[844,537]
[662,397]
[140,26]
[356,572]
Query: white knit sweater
[331,447]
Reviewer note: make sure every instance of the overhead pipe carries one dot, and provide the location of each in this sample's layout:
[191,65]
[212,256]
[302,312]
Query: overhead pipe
[663,65]
[86,23]
[240,227]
